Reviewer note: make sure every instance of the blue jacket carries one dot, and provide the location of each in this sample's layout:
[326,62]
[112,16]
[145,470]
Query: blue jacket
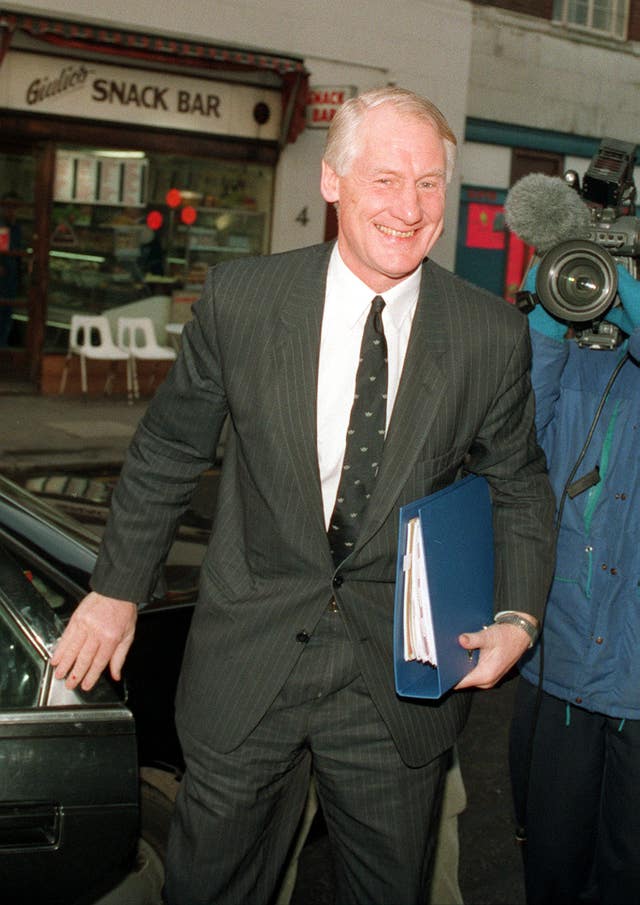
[592,623]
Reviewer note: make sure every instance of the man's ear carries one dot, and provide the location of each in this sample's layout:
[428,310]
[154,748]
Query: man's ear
[329,184]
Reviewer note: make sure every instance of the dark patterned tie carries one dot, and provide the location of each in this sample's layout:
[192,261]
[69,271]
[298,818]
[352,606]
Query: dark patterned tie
[365,437]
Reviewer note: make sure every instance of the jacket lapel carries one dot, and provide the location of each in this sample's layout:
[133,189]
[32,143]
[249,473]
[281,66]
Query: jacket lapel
[296,351]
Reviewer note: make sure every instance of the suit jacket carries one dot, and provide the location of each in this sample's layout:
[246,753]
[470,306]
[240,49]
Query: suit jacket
[464,404]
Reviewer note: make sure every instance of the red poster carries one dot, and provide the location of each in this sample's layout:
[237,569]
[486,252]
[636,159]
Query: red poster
[518,257]
[485,226]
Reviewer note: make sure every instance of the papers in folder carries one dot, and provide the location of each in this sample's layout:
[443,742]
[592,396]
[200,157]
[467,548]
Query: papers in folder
[419,643]
[444,585]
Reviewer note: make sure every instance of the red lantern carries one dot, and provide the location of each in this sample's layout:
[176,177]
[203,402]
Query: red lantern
[154,220]
[188,215]
[173,198]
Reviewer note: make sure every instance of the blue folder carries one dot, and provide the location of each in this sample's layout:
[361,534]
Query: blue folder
[457,532]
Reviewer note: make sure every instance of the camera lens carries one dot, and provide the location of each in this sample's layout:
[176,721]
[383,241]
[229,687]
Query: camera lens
[577,281]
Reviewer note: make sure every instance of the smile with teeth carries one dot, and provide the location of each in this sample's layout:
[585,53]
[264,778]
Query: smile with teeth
[398,234]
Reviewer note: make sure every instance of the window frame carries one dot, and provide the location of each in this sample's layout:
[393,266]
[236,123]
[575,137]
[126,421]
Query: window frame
[560,16]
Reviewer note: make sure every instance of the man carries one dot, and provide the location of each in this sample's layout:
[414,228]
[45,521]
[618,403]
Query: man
[289,660]
[10,242]
[575,749]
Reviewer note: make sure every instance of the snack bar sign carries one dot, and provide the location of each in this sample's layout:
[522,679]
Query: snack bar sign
[55,86]
[323,102]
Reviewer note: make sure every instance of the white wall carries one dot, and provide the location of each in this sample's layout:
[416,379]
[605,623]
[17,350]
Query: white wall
[420,44]
[489,166]
[527,71]
[485,166]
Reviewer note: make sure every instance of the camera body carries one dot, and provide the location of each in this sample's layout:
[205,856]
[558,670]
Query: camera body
[577,279]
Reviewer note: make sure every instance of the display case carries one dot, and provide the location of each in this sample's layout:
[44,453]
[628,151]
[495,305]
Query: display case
[128,226]
[95,259]
[217,234]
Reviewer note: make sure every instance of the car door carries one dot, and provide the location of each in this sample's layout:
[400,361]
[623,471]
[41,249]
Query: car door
[68,763]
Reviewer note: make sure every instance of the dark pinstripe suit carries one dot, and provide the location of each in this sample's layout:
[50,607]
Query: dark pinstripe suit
[464,402]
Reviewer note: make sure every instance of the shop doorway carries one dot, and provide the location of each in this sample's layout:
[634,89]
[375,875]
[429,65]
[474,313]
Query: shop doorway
[24,211]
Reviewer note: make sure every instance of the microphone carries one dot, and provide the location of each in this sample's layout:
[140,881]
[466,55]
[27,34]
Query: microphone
[543,211]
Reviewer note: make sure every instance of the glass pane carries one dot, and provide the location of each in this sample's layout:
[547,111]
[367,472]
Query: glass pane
[21,668]
[558,10]
[578,12]
[620,18]
[602,15]
[134,233]
[17,175]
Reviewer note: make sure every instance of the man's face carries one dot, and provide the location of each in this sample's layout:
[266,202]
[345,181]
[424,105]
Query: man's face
[391,201]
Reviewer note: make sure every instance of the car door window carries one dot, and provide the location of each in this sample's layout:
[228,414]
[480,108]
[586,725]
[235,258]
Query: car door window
[21,669]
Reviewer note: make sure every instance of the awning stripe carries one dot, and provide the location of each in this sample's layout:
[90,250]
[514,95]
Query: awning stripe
[172,51]
[98,38]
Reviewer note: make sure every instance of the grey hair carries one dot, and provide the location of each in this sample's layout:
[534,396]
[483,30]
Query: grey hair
[342,139]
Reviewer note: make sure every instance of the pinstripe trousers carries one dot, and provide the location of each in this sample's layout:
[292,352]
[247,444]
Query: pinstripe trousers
[237,813]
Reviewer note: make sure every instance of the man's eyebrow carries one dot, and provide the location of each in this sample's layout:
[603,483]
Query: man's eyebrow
[390,171]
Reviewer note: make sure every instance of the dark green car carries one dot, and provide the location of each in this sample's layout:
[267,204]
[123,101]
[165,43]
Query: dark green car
[87,780]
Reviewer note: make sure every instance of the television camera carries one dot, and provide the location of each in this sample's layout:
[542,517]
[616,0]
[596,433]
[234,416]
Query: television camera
[581,234]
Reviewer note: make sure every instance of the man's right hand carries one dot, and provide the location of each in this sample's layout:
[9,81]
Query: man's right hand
[99,633]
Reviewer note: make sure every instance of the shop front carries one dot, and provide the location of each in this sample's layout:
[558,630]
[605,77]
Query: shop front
[129,164]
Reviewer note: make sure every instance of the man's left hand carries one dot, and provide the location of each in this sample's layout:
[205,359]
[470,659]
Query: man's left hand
[500,647]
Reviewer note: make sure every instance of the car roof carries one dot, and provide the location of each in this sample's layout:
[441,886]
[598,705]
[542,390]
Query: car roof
[50,531]
[26,517]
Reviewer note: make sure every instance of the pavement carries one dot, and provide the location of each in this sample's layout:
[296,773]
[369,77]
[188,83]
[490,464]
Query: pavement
[64,432]
[68,434]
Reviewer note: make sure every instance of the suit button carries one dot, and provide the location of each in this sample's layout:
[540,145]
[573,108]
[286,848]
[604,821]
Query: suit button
[302,637]
[337,581]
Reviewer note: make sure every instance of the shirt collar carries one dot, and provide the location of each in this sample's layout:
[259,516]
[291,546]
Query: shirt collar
[400,300]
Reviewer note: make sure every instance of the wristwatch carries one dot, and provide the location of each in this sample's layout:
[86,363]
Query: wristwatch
[510,617]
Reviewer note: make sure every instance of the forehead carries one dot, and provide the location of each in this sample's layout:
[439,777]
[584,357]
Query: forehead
[387,135]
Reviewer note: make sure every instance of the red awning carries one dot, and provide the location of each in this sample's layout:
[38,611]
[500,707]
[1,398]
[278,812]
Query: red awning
[170,51]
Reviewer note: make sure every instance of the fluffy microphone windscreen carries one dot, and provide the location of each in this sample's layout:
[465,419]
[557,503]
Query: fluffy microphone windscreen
[543,210]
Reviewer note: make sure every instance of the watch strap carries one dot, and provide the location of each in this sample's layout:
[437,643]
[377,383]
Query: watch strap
[508,617]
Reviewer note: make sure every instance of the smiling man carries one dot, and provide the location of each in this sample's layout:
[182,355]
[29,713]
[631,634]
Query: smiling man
[390,194]
[358,376]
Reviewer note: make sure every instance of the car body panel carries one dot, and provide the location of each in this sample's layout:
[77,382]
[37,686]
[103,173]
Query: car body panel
[69,808]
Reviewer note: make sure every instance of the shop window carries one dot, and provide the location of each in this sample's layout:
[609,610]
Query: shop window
[17,178]
[129,227]
[608,17]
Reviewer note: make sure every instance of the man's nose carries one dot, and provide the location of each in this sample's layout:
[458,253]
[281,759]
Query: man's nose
[407,204]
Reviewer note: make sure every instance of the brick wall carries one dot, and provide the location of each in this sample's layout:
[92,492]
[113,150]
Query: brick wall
[150,375]
[633,32]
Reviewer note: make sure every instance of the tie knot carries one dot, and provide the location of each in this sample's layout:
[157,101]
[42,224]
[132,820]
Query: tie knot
[376,310]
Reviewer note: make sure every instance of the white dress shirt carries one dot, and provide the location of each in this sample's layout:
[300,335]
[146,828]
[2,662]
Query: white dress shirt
[347,305]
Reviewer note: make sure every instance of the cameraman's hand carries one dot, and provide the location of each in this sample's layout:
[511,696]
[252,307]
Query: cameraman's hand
[539,319]
[627,314]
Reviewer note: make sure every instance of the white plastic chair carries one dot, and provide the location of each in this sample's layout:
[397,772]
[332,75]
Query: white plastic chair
[137,336]
[90,338]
